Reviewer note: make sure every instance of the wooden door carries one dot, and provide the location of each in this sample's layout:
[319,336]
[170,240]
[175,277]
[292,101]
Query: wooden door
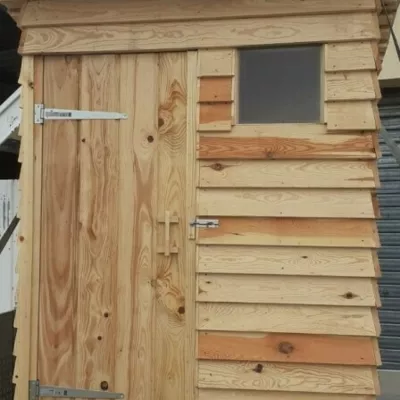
[115,283]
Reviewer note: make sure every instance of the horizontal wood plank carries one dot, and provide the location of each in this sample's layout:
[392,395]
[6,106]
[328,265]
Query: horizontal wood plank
[292,232]
[232,394]
[287,147]
[299,261]
[350,86]
[351,321]
[303,203]
[287,377]
[216,89]
[140,37]
[216,62]
[215,113]
[275,347]
[357,56]
[288,174]
[351,115]
[76,12]
[270,289]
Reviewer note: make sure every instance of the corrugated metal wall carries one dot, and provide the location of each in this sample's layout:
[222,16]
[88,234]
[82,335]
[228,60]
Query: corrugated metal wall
[389,230]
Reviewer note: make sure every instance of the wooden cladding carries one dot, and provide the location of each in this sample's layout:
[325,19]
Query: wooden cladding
[270,347]
[278,318]
[140,37]
[292,232]
[216,90]
[282,261]
[287,377]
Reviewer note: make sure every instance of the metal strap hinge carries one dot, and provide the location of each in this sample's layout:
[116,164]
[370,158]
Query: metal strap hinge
[205,223]
[42,114]
[36,391]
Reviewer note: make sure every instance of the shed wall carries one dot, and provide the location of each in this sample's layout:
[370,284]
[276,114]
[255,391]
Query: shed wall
[286,287]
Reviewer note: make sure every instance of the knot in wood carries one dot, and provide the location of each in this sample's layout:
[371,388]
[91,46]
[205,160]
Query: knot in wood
[104,385]
[349,295]
[285,347]
[258,368]
[217,167]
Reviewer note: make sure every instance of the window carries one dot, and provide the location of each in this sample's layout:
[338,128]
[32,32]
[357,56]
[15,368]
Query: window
[280,85]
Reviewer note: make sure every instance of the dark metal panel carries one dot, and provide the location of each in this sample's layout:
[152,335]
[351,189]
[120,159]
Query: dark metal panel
[389,232]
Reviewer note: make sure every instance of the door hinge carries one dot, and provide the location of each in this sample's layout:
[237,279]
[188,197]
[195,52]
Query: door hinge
[205,223]
[36,391]
[42,114]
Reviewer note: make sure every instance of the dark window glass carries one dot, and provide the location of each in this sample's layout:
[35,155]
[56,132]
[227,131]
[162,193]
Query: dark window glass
[280,85]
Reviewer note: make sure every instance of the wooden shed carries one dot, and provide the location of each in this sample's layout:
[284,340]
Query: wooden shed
[198,213]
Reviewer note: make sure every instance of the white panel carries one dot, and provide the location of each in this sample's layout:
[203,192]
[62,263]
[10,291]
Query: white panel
[8,258]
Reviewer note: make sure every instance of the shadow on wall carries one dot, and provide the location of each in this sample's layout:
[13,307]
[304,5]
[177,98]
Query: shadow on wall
[7,337]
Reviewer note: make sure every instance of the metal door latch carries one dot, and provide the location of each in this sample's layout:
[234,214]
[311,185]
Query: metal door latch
[42,114]
[205,223]
[36,391]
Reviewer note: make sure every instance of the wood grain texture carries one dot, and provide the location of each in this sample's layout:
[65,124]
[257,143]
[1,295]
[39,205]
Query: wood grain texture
[304,203]
[351,321]
[351,115]
[67,12]
[287,377]
[215,89]
[287,147]
[137,226]
[98,223]
[356,56]
[299,261]
[219,62]
[215,113]
[26,279]
[231,394]
[170,283]
[350,85]
[292,232]
[170,36]
[227,288]
[192,173]
[59,238]
[287,174]
[274,347]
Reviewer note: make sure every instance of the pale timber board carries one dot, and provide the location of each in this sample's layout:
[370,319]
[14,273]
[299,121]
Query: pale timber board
[227,288]
[292,232]
[192,172]
[318,203]
[75,12]
[300,261]
[351,115]
[97,284]
[202,34]
[356,56]
[287,377]
[170,280]
[26,283]
[137,209]
[351,321]
[287,174]
[232,394]
[57,345]
[350,86]
[215,62]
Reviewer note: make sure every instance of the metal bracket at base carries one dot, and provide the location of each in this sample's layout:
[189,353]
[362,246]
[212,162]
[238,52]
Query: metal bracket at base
[36,391]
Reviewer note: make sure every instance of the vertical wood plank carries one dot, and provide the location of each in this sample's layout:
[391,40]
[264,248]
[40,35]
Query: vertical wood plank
[171,304]
[57,319]
[37,217]
[137,210]
[22,346]
[191,199]
[98,223]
